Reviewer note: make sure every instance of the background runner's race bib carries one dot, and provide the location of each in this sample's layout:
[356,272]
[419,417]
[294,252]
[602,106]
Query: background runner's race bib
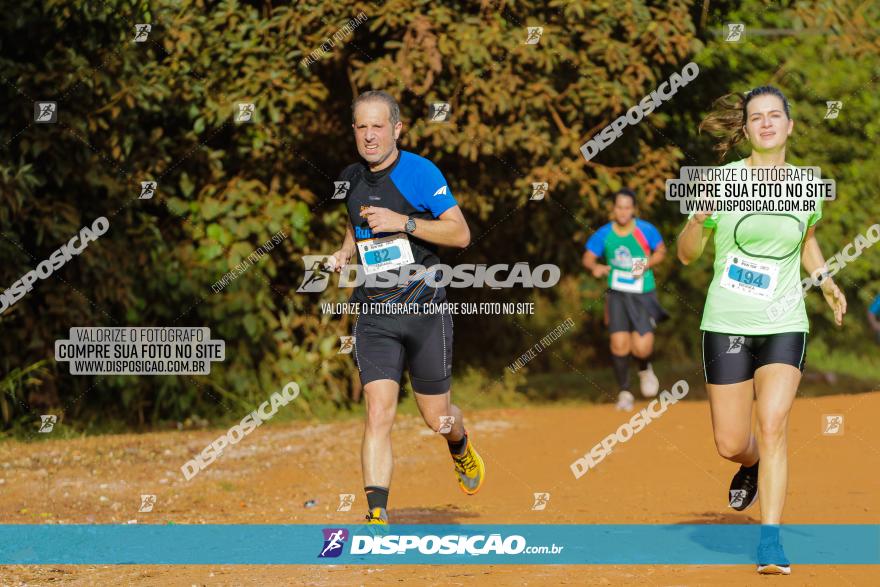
[625,281]
[386,253]
[756,279]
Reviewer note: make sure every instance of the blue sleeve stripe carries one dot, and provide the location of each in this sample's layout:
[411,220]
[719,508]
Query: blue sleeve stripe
[596,243]
[422,184]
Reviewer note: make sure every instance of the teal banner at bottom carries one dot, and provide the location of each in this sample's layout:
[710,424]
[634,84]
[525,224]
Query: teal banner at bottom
[532,544]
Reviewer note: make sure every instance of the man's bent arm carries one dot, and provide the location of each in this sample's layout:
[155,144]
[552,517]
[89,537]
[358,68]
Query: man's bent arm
[450,229]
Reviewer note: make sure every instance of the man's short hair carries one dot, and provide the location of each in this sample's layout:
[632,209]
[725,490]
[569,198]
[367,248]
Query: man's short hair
[624,192]
[385,97]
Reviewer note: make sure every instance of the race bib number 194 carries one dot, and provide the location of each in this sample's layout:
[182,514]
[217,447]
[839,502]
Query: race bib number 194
[756,279]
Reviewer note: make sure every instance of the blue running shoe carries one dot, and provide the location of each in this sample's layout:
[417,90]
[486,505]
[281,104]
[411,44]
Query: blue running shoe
[772,559]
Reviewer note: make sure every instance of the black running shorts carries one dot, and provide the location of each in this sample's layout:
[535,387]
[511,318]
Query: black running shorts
[633,312]
[383,344]
[731,358]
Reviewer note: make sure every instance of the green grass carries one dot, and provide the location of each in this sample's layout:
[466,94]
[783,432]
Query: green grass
[865,368]
[826,374]
[831,376]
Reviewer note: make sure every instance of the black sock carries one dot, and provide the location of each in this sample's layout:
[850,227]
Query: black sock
[645,363]
[456,447]
[753,468]
[621,370]
[377,497]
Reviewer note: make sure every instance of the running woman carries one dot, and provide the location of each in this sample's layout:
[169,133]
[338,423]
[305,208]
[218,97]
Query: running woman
[747,355]
[631,247]
[400,208]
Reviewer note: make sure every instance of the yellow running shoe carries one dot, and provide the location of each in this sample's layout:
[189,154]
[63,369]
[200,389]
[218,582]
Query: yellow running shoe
[378,516]
[469,468]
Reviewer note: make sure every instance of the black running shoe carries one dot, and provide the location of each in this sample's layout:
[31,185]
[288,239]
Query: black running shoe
[744,488]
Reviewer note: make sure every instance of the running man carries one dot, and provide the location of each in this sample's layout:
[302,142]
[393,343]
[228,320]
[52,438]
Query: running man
[747,355]
[631,246]
[400,208]
[874,317]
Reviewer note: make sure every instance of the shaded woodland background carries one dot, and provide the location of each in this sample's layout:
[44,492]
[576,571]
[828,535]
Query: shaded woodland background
[162,110]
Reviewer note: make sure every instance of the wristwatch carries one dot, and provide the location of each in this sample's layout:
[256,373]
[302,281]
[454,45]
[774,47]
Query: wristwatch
[410,225]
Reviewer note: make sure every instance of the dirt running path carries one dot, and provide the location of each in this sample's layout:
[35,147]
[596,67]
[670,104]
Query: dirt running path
[669,473]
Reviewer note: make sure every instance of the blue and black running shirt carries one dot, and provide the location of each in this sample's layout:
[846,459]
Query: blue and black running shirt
[412,186]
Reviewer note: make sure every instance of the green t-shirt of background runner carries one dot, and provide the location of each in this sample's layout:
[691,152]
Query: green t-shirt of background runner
[776,238]
[623,263]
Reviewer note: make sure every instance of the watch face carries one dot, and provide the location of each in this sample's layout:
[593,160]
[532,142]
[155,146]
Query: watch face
[410,225]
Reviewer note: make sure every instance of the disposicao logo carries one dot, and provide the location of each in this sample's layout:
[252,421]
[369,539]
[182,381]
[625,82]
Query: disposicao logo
[334,540]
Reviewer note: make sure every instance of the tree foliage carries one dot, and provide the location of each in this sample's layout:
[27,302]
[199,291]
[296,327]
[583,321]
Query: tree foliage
[163,110]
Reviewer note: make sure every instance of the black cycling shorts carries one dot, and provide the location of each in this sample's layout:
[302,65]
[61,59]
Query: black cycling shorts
[633,312]
[731,358]
[383,344]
